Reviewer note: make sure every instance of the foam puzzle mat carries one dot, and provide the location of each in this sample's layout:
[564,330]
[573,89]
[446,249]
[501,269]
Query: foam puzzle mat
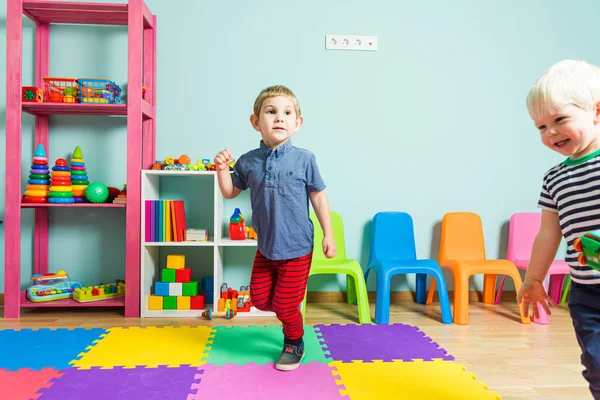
[394,361]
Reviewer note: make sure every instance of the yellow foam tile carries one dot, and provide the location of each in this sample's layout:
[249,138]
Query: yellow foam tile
[149,347]
[175,261]
[437,379]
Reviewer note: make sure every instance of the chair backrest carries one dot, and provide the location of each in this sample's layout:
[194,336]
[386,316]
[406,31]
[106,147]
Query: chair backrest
[338,235]
[393,237]
[523,229]
[462,237]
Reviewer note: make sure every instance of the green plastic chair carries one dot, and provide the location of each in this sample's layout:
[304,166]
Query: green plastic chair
[566,290]
[356,291]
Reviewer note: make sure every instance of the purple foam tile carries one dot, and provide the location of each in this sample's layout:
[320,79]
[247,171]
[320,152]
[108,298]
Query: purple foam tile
[348,343]
[251,381]
[121,383]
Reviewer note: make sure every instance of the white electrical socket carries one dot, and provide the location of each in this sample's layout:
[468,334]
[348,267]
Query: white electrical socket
[350,42]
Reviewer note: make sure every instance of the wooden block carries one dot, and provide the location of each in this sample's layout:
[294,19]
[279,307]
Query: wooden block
[175,261]
[183,303]
[155,302]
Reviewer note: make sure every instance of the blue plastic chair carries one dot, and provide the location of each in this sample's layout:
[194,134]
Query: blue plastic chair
[393,252]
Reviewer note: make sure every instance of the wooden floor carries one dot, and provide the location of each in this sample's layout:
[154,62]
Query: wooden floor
[517,361]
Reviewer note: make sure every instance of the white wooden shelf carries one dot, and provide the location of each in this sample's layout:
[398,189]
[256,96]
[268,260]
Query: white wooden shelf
[150,251]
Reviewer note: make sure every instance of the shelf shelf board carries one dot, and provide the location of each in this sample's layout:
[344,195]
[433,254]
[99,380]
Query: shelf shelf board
[117,302]
[161,172]
[92,205]
[198,313]
[84,109]
[187,244]
[60,12]
[237,243]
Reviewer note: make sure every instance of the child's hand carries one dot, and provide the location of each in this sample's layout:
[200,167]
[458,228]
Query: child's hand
[222,160]
[531,293]
[329,248]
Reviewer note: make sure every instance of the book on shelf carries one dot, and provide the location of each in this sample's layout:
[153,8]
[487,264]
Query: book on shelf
[165,221]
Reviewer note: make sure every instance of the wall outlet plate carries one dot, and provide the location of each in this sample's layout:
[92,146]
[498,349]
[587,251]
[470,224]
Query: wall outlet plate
[350,42]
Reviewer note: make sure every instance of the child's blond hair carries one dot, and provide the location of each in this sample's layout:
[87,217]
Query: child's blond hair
[566,82]
[274,91]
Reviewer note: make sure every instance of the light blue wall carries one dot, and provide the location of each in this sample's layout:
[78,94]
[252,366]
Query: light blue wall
[432,122]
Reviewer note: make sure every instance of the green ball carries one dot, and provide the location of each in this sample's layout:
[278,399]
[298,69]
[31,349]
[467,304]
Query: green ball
[96,192]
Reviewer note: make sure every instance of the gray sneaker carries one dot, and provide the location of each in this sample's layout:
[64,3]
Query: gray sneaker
[290,357]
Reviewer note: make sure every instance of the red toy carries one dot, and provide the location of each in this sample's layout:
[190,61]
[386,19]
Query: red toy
[237,228]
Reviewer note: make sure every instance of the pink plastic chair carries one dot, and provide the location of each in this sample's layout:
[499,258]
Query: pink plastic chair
[521,235]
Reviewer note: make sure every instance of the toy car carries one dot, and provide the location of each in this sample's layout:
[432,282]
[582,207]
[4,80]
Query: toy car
[588,247]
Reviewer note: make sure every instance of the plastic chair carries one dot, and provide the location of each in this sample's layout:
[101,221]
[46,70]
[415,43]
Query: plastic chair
[523,229]
[393,252]
[462,250]
[356,289]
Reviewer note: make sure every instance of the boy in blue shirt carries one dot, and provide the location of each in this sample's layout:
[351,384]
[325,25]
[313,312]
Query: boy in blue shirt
[282,178]
[564,104]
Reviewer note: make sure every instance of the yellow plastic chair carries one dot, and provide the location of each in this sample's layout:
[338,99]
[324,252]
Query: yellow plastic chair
[356,291]
[462,250]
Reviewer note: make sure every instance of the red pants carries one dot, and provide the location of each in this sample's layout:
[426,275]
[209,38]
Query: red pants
[279,286]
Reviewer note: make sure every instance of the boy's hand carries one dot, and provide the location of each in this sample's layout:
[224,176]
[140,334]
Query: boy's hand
[329,248]
[222,160]
[531,293]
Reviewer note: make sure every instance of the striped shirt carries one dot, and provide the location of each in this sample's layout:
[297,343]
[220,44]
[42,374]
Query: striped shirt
[572,188]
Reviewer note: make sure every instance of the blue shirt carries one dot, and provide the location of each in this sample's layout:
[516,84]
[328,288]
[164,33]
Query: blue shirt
[280,181]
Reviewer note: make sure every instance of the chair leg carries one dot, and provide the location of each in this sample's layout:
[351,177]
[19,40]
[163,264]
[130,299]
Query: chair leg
[489,288]
[430,293]
[351,289]
[543,316]
[500,289]
[517,281]
[382,301]
[556,284]
[461,297]
[304,305]
[567,289]
[421,289]
[443,293]
[362,299]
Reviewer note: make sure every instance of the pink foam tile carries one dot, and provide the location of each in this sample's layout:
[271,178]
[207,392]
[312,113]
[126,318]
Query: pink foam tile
[24,384]
[309,381]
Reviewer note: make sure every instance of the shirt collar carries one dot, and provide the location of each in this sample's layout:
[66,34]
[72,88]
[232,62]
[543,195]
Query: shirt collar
[279,152]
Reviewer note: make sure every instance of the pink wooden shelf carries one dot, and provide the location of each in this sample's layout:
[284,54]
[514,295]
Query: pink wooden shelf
[92,205]
[118,302]
[60,12]
[84,109]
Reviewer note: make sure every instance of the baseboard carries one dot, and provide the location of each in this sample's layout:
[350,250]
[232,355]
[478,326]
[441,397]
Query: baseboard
[397,297]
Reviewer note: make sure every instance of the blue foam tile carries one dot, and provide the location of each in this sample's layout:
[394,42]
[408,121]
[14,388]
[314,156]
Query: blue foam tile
[44,348]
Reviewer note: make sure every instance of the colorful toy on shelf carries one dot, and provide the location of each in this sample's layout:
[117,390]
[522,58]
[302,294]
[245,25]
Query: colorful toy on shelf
[100,292]
[60,90]
[61,190]
[50,287]
[96,192]
[237,228]
[121,195]
[228,314]
[176,290]
[32,94]
[234,300]
[251,233]
[100,91]
[588,247]
[39,178]
[79,177]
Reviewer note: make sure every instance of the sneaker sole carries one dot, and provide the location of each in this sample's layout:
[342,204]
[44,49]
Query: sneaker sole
[288,367]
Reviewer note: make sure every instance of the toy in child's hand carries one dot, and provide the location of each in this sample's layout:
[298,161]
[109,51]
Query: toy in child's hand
[50,287]
[209,314]
[588,247]
[237,228]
